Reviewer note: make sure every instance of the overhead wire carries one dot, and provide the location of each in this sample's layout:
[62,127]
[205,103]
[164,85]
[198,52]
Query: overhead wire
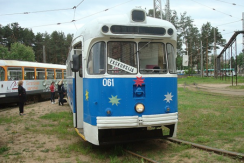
[229,23]
[37,11]
[84,16]
[230,3]
[75,12]
[43,10]
[214,9]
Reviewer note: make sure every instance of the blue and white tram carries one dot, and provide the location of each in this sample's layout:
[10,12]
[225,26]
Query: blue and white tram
[122,80]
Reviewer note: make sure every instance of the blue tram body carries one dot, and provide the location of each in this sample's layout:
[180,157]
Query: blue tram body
[122,79]
[125,94]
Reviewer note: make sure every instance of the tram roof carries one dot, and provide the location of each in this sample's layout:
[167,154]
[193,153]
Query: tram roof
[30,64]
[90,29]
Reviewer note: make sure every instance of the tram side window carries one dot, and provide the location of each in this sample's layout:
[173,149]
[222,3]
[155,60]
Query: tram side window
[122,57]
[2,74]
[58,74]
[40,73]
[14,73]
[64,74]
[96,60]
[29,74]
[171,58]
[50,73]
[152,58]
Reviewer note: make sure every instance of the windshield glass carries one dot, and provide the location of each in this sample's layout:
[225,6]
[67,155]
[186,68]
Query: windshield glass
[122,57]
[152,58]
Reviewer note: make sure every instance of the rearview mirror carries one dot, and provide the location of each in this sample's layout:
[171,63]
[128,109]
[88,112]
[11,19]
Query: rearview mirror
[75,63]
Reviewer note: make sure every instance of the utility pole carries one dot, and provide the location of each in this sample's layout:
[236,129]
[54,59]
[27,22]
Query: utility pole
[44,54]
[201,61]
[207,58]
[157,8]
[167,10]
[243,34]
[215,65]
[243,42]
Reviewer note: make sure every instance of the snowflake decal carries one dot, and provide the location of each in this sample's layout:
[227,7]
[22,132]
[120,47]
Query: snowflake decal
[168,97]
[114,100]
[87,96]
[139,81]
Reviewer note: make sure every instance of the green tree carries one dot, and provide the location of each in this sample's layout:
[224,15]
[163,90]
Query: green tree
[4,53]
[240,61]
[21,52]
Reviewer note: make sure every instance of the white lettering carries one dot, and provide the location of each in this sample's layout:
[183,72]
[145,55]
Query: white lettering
[104,82]
[108,82]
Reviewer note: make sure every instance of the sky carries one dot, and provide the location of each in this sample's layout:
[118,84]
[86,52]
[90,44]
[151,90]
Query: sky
[44,15]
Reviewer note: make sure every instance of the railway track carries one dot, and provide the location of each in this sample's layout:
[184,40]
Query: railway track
[140,156]
[206,148]
[198,146]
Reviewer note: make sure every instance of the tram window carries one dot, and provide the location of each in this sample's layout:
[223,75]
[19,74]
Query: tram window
[2,74]
[29,74]
[14,73]
[64,74]
[122,58]
[96,60]
[152,58]
[50,73]
[58,74]
[171,58]
[40,73]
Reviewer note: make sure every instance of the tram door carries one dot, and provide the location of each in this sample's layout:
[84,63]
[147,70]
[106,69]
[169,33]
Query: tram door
[78,84]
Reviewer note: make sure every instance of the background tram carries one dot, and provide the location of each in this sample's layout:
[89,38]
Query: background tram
[122,80]
[222,72]
[36,77]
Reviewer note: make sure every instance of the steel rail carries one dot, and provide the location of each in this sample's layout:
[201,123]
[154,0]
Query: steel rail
[215,150]
[140,156]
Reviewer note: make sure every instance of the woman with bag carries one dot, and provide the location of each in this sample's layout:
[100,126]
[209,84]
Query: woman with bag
[61,92]
[22,97]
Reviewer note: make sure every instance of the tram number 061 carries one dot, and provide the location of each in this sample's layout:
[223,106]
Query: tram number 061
[108,82]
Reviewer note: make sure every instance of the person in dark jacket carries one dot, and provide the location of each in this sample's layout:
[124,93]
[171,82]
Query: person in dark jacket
[61,92]
[22,97]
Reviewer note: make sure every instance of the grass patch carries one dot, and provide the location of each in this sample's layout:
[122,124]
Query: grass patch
[237,87]
[209,80]
[208,119]
[3,149]
[6,120]
[59,124]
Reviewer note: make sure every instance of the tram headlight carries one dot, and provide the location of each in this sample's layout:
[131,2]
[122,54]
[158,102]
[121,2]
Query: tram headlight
[139,108]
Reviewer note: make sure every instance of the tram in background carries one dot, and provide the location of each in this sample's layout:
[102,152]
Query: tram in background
[36,77]
[224,72]
[122,79]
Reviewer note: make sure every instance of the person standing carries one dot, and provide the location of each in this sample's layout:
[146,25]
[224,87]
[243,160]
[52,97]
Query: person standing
[22,97]
[61,91]
[52,88]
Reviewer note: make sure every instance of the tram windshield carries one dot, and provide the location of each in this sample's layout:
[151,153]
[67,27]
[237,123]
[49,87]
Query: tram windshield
[154,58]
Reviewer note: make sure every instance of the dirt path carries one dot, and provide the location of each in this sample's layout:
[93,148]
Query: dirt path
[216,88]
[25,146]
